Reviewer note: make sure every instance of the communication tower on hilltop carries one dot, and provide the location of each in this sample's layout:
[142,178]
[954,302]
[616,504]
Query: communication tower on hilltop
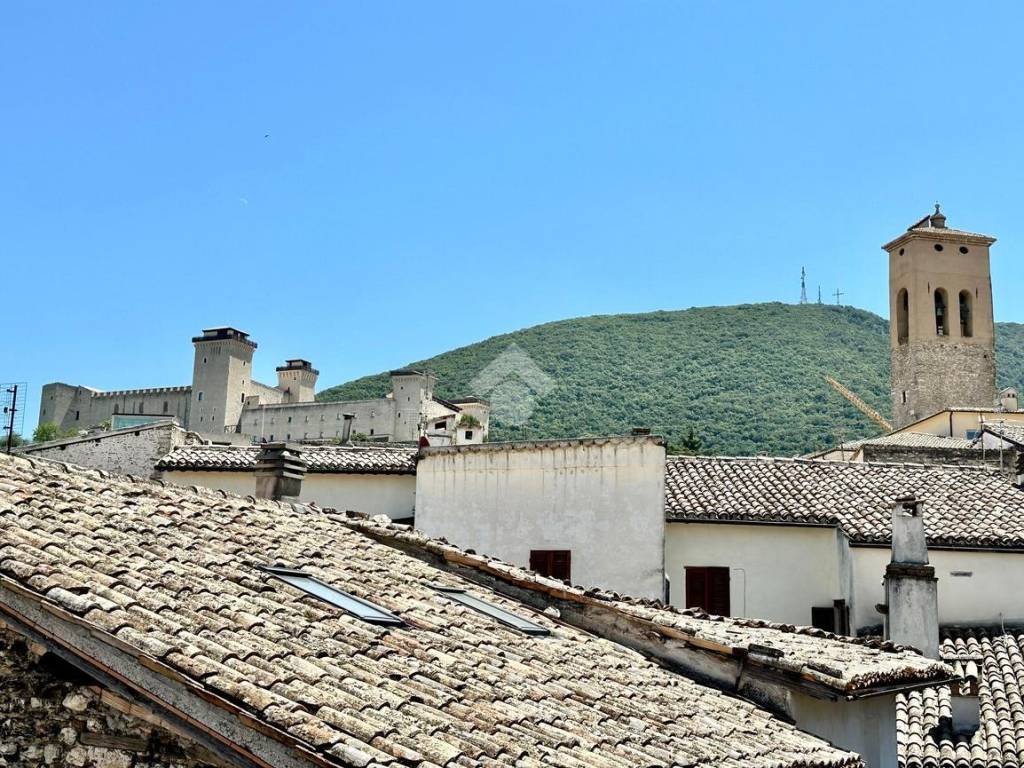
[803,285]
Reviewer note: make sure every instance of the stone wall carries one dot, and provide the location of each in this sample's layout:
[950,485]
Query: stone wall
[80,407]
[940,374]
[968,457]
[123,451]
[52,715]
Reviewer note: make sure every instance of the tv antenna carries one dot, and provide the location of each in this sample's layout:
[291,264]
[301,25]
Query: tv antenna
[803,285]
[14,421]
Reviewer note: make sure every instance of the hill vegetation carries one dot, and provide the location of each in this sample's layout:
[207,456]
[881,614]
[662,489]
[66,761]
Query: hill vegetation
[746,379]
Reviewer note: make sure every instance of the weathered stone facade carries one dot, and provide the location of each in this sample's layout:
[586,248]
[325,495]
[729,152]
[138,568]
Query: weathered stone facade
[132,451]
[936,375]
[52,715]
[942,331]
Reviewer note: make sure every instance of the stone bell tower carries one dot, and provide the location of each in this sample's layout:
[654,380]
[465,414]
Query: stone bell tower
[942,333]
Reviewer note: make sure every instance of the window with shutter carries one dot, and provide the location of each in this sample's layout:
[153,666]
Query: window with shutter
[707,587]
[556,563]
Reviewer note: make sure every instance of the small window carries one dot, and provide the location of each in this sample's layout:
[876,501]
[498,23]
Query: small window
[200,397]
[556,563]
[469,434]
[963,249]
[289,419]
[832,618]
[204,361]
[288,436]
[708,588]
[938,247]
[496,613]
[371,431]
[243,397]
[355,606]
[77,414]
[904,397]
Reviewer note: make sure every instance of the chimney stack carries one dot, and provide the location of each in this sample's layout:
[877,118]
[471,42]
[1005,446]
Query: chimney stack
[279,472]
[911,589]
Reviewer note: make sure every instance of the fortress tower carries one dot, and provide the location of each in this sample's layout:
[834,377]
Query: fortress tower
[221,378]
[942,333]
[297,380]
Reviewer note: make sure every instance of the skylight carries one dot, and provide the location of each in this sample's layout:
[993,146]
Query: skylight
[499,614]
[356,606]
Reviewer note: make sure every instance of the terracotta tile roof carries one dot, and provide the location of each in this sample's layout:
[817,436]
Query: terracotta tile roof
[400,460]
[926,734]
[168,577]
[846,665]
[965,506]
[1012,433]
[923,440]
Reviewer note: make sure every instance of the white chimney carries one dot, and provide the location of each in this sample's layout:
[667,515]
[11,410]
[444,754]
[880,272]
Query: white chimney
[1008,399]
[911,589]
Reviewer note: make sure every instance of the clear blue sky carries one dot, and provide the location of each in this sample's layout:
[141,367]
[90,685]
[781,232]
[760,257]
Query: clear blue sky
[438,173]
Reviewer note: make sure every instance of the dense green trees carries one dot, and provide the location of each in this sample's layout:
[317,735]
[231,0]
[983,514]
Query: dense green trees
[744,379]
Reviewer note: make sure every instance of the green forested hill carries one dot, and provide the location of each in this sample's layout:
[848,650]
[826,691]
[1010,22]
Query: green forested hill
[747,379]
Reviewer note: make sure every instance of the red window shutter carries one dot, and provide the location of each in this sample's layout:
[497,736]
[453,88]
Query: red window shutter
[718,591]
[539,561]
[696,588]
[556,563]
[708,588]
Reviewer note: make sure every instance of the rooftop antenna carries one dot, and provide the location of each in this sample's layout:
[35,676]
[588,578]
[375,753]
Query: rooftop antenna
[14,421]
[803,286]
[819,294]
[837,294]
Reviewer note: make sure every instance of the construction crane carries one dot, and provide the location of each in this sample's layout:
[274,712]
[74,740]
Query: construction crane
[859,404]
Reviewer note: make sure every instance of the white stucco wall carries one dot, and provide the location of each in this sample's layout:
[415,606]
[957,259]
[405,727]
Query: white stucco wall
[391,495]
[981,598]
[777,572]
[865,726]
[603,502]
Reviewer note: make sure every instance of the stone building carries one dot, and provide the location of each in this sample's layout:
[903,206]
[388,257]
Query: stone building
[942,332]
[226,404]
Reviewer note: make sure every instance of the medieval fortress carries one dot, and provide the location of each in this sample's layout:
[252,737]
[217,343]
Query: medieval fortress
[225,404]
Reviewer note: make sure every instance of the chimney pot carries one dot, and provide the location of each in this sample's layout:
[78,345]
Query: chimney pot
[279,472]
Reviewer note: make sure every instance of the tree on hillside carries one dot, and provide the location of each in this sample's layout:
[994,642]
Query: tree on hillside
[688,446]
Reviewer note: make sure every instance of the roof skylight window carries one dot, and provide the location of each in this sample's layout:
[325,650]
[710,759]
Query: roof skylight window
[356,606]
[498,614]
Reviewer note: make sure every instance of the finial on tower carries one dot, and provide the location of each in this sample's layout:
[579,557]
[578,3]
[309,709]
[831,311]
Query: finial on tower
[938,219]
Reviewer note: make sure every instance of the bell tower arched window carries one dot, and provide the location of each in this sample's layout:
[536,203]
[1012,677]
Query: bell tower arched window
[941,313]
[966,315]
[902,316]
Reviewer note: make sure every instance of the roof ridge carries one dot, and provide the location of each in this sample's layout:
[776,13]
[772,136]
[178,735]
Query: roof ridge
[856,466]
[382,529]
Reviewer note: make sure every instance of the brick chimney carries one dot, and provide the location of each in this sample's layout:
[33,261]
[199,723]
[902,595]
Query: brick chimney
[911,589]
[279,472]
